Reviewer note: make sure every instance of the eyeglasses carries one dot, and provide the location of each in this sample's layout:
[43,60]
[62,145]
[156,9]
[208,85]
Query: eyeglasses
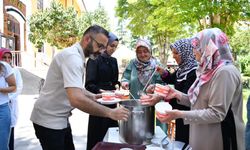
[99,45]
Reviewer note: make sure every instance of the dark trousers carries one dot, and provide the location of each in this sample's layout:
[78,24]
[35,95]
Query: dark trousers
[51,139]
[98,127]
[11,142]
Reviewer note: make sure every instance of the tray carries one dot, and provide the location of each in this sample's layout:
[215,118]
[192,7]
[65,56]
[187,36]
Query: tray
[117,146]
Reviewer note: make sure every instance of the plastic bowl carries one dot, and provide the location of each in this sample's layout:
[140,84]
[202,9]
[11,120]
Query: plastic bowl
[162,107]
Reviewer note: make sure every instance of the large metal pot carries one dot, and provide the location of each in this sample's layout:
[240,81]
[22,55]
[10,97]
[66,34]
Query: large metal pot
[139,128]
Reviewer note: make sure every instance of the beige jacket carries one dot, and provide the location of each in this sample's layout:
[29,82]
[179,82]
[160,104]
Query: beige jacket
[211,108]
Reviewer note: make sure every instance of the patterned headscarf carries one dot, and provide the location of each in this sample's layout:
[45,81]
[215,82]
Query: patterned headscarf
[215,53]
[143,43]
[188,62]
[144,69]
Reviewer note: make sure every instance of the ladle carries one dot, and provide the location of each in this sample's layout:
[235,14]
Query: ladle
[132,96]
[141,92]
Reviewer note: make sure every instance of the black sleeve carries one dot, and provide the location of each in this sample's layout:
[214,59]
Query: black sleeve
[91,76]
[116,72]
[191,77]
[170,78]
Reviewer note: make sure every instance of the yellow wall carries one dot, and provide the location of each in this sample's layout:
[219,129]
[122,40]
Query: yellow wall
[70,3]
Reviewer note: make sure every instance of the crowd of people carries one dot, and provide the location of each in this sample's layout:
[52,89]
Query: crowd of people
[206,95]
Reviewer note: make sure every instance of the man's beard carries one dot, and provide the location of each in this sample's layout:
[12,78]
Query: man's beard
[89,51]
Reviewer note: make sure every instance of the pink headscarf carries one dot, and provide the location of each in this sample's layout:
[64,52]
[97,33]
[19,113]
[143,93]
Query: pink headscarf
[215,53]
[3,51]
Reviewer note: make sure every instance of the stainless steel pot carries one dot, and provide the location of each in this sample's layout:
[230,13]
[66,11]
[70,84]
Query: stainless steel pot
[139,129]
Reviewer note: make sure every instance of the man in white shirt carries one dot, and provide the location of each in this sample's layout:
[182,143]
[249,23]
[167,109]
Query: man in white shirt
[63,91]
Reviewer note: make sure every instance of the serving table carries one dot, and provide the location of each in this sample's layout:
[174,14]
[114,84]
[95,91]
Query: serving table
[112,136]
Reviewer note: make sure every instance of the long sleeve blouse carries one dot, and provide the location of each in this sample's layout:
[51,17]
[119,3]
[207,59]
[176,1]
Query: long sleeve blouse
[101,73]
[182,86]
[130,75]
[210,109]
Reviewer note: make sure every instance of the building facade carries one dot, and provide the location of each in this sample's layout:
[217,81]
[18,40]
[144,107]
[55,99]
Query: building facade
[14,29]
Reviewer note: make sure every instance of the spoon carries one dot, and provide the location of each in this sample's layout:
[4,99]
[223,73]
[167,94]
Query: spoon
[142,92]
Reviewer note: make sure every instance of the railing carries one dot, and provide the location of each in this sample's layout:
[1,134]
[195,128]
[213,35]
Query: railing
[16,58]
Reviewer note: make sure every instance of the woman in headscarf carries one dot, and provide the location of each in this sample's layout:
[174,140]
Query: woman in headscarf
[139,71]
[6,55]
[182,79]
[215,97]
[102,75]
[7,85]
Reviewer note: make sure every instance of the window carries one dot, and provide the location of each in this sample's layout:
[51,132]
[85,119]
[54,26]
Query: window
[13,25]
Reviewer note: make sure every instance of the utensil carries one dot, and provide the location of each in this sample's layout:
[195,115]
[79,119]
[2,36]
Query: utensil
[142,92]
[162,144]
[149,80]
[132,96]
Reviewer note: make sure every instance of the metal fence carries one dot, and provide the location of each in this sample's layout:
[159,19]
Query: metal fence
[16,58]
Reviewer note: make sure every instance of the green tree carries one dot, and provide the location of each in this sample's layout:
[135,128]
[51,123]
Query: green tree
[240,43]
[167,20]
[62,27]
[99,17]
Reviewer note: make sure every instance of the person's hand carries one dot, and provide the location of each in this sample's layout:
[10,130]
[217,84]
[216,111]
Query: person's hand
[150,99]
[125,85]
[119,113]
[173,93]
[97,96]
[150,89]
[101,90]
[160,70]
[170,115]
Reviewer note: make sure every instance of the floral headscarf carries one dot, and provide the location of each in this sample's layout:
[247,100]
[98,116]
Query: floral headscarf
[185,49]
[143,43]
[144,69]
[215,52]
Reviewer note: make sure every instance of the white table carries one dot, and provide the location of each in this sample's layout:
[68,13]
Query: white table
[112,135]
